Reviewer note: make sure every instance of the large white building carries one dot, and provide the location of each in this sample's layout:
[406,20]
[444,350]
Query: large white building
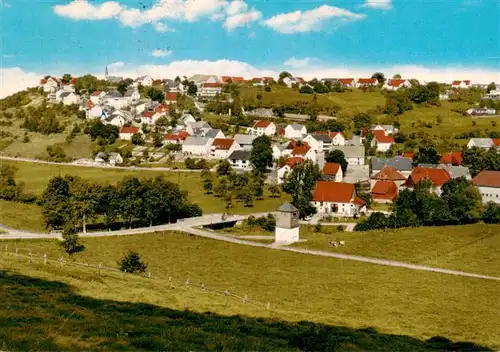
[197,146]
[337,199]
[209,89]
[295,131]
[488,183]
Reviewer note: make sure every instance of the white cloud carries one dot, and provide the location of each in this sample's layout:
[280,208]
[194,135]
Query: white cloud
[378,4]
[235,13]
[311,20]
[162,27]
[5,4]
[116,65]
[83,10]
[294,62]
[161,53]
[14,79]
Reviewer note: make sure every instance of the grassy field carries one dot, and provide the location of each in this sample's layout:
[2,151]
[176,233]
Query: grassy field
[472,248]
[36,176]
[299,288]
[21,216]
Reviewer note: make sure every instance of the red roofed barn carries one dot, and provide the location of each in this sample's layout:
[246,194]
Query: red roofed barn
[337,198]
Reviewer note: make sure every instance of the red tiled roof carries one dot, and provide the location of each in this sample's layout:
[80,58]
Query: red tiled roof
[381,137]
[333,134]
[331,169]
[438,176]
[262,124]
[294,160]
[396,82]
[171,96]
[96,93]
[487,178]
[321,132]
[496,141]
[268,79]
[211,85]
[367,80]
[454,158]
[388,173]
[89,104]
[385,190]
[225,79]
[280,131]
[346,81]
[410,155]
[301,149]
[223,143]
[238,79]
[161,108]
[148,113]
[172,137]
[337,192]
[359,201]
[467,82]
[43,81]
[256,79]
[183,135]
[129,129]
[300,79]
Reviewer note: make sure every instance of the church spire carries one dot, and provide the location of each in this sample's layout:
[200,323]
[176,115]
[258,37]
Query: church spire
[106,73]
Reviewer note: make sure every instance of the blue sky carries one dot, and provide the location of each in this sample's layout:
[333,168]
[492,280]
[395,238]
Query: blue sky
[314,37]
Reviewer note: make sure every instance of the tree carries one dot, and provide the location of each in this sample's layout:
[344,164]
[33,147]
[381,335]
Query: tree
[55,202]
[66,78]
[283,75]
[138,139]
[131,263]
[224,168]
[192,88]
[491,214]
[306,89]
[337,156]
[71,243]
[261,156]
[274,190]
[155,94]
[122,88]
[463,200]
[362,120]
[299,183]
[491,86]
[396,76]
[426,155]
[158,139]
[375,221]
[380,77]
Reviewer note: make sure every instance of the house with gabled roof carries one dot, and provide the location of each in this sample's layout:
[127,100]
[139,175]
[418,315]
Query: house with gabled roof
[382,141]
[397,84]
[289,165]
[97,96]
[488,183]
[332,172]
[401,164]
[145,81]
[337,199]
[385,184]
[485,143]
[438,177]
[194,145]
[49,85]
[264,127]
[366,82]
[126,132]
[319,142]
[295,131]
[245,140]
[170,98]
[209,90]
[223,147]
[347,82]
[452,158]
[461,84]
[240,160]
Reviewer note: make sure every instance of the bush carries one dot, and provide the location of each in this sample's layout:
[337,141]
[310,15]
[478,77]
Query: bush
[131,263]
[71,242]
[267,223]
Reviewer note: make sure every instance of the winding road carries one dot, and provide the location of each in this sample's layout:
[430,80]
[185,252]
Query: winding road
[192,225]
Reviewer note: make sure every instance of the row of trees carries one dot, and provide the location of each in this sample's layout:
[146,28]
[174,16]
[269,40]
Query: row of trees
[44,118]
[9,188]
[459,203]
[71,202]
[402,100]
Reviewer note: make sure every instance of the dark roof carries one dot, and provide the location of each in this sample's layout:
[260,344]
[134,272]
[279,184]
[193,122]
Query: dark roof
[113,94]
[397,162]
[287,208]
[322,137]
[240,155]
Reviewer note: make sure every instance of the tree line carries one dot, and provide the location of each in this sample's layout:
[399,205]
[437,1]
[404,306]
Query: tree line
[459,203]
[70,203]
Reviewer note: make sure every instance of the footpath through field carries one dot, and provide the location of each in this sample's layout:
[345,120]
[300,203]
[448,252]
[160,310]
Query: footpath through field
[192,225]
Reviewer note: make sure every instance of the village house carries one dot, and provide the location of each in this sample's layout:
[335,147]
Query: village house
[194,145]
[381,141]
[461,84]
[488,183]
[173,86]
[295,131]
[366,82]
[332,172]
[126,133]
[150,117]
[319,142]
[285,169]
[229,79]
[112,159]
[197,127]
[485,143]
[223,147]
[115,99]
[397,84]
[347,82]
[290,82]
[354,154]
[209,90]
[337,138]
[145,81]
[437,177]
[453,158]
[176,138]
[97,97]
[492,95]
[114,119]
[69,98]
[170,98]
[385,184]
[480,111]
[264,127]
[401,164]
[240,160]
[49,84]
[388,129]
[132,95]
[244,140]
[337,199]
[187,118]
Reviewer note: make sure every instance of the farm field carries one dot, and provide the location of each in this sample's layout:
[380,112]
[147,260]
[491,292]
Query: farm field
[21,216]
[299,287]
[36,176]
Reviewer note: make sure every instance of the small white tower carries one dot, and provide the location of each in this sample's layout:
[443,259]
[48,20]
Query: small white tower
[287,224]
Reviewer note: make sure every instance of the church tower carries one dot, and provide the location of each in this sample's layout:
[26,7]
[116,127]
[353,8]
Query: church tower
[106,73]
[287,224]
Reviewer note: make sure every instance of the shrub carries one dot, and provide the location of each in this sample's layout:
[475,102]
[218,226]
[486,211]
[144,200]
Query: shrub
[131,263]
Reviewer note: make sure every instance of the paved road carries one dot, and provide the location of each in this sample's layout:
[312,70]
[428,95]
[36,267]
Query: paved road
[132,168]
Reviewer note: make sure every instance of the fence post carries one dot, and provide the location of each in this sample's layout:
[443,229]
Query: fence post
[124,272]
[226,292]
[268,305]
[61,261]
[99,269]
[45,259]
[6,248]
[203,287]
[149,275]
[17,253]
[187,283]
[245,299]
[31,259]
[170,281]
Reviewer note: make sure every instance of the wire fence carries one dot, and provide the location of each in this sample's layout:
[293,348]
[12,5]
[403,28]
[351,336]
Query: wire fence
[26,255]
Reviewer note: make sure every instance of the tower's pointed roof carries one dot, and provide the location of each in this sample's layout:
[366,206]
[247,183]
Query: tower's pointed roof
[287,208]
